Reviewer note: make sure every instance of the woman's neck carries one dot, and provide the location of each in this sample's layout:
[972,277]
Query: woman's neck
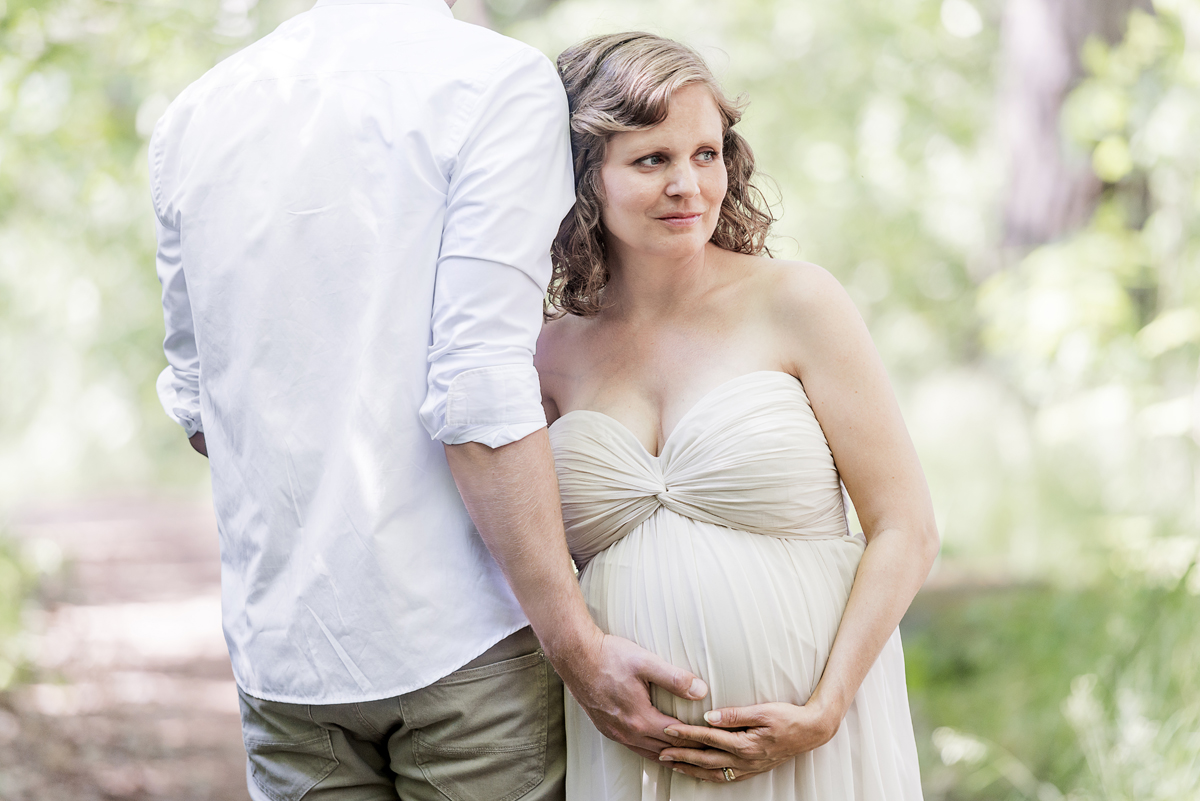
[643,286]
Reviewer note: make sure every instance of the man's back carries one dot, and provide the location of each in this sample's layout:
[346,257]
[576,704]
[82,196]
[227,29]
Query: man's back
[318,193]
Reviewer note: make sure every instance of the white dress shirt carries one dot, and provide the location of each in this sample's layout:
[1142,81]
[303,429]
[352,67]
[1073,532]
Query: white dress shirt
[354,224]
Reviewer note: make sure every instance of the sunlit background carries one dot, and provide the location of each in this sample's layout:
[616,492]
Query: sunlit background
[1008,189]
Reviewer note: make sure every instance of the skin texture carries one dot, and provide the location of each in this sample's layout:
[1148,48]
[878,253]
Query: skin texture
[683,316]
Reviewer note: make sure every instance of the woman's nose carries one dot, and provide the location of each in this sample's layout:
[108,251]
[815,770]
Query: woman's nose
[683,182]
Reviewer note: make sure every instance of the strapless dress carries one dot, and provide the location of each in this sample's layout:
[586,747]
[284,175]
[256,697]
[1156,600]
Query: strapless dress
[727,554]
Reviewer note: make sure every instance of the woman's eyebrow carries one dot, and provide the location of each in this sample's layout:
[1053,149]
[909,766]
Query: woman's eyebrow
[652,148]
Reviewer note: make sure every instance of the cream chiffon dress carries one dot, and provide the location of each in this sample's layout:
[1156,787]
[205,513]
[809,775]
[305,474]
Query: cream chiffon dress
[729,555]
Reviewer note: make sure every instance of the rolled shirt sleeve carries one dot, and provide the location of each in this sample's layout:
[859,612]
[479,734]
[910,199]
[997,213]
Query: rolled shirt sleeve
[179,384]
[511,186]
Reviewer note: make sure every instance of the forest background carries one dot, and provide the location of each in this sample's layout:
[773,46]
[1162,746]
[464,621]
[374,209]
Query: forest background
[1009,190]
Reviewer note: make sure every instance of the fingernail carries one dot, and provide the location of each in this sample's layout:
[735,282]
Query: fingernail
[713,717]
[670,732]
[665,758]
[698,689]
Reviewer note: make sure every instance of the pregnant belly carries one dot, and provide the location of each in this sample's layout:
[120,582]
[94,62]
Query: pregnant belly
[753,616]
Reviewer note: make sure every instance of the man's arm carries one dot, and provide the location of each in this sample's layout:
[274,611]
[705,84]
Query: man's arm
[510,187]
[512,495]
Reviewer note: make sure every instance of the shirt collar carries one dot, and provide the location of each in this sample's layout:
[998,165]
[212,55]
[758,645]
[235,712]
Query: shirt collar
[436,6]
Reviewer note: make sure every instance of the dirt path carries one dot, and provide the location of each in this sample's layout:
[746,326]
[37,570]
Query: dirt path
[133,696]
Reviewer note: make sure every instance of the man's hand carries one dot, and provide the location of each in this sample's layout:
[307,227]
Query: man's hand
[770,734]
[612,684]
[197,441]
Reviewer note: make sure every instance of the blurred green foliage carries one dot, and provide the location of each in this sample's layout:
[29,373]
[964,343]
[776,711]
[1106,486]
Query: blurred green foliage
[1099,335]
[82,83]
[19,574]
[1097,338]
[1052,394]
[1034,692]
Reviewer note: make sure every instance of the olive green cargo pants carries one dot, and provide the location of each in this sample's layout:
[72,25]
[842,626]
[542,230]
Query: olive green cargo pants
[492,731]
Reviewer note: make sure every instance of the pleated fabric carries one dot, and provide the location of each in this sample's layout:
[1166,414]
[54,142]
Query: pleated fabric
[727,554]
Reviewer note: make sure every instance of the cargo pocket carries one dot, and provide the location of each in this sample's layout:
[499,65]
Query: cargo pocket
[486,731]
[288,755]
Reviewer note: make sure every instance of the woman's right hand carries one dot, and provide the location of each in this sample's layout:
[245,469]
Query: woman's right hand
[767,736]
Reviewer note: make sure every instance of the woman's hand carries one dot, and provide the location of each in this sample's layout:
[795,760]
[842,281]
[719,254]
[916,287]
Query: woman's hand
[768,736]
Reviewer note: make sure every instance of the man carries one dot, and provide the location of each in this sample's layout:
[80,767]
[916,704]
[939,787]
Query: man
[354,219]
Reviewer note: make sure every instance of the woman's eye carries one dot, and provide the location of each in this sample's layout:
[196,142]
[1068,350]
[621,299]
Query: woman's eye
[651,161]
[708,156]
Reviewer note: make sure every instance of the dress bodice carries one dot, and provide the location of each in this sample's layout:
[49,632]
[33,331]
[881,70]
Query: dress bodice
[750,455]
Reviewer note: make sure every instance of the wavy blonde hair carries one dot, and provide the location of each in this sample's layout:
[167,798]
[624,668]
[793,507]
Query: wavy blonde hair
[624,82]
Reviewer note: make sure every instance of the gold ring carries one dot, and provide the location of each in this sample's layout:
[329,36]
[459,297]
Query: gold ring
[728,774]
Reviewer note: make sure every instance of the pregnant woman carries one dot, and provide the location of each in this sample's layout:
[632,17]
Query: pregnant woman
[708,406]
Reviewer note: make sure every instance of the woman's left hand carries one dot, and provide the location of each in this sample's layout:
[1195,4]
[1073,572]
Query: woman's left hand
[768,736]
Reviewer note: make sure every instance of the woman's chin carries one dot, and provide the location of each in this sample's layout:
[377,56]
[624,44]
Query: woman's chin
[673,245]
[679,247]
[674,255]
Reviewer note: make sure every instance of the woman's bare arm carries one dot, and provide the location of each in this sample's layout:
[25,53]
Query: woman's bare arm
[825,343]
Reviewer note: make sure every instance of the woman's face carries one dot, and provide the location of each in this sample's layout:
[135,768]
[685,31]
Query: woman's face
[663,187]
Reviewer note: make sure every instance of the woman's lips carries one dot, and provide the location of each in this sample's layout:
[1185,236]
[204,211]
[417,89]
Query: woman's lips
[681,220]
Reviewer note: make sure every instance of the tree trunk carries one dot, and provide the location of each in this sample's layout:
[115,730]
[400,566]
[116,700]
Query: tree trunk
[1051,190]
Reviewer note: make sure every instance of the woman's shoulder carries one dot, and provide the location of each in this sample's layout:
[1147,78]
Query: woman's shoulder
[788,289]
[810,315]
[559,331]
[558,339]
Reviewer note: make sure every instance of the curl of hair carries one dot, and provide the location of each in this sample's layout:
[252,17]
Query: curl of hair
[624,82]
